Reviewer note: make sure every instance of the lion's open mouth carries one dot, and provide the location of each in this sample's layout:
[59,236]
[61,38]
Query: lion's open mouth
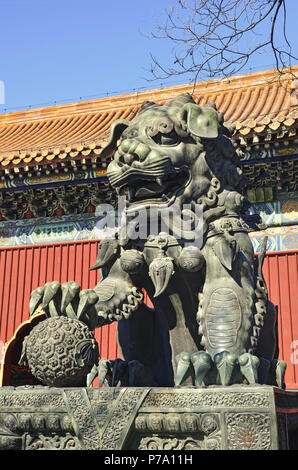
[160,189]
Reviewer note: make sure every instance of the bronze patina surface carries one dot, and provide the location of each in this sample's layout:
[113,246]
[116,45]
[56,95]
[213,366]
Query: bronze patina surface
[212,321]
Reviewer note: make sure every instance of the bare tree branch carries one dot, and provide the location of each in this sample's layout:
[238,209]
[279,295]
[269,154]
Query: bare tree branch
[214,38]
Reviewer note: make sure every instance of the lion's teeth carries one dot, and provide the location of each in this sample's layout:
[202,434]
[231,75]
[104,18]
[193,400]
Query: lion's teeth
[131,193]
[159,181]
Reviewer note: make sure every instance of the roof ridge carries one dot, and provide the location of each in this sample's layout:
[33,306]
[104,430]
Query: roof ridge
[120,101]
[257,103]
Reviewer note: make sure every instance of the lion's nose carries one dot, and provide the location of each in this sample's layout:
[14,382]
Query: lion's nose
[132,150]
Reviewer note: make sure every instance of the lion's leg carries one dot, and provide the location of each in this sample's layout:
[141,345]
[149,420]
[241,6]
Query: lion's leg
[144,338]
[227,306]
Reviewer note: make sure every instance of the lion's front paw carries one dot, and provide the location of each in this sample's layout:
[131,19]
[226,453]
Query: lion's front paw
[225,368]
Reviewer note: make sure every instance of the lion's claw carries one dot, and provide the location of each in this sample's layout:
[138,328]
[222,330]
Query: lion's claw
[52,292]
[111,300]
[88,298]
[119,373]
[35,299]
[66,299]
[249,367]
[86,309]
[70,291]
[227,369]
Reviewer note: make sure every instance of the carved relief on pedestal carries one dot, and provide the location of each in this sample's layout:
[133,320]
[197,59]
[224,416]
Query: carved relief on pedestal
[248,431]
[37,431]
[177,431]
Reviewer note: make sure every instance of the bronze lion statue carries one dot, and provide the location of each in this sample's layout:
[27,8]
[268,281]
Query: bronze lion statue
[212,323]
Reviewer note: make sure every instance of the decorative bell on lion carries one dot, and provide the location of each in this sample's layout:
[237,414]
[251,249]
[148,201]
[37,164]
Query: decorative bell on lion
[161,270]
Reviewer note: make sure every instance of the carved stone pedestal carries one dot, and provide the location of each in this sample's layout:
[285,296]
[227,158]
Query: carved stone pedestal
[214,418]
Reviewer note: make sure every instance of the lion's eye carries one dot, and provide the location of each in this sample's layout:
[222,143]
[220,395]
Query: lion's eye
[129,133]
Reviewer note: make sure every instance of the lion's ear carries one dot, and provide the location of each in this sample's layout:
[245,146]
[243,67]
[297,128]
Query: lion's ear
[202,121]
[116,130]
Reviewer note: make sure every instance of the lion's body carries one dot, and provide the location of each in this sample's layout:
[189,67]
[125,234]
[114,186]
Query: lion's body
[211,318]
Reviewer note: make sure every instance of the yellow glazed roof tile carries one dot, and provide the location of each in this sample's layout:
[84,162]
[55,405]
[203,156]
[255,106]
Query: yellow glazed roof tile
[253,102]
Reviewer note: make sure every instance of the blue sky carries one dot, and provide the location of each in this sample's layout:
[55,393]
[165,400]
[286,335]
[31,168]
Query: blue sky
[54,51]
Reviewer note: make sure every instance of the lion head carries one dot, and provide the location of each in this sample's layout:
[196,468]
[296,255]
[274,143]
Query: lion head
[178,153]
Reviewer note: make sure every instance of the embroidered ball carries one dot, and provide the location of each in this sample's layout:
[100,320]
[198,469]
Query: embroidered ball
[61,351]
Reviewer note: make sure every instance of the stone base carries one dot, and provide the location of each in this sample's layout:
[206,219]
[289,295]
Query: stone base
[214,418]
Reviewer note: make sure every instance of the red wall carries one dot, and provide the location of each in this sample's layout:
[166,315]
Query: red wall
[281,275]
[22,269]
